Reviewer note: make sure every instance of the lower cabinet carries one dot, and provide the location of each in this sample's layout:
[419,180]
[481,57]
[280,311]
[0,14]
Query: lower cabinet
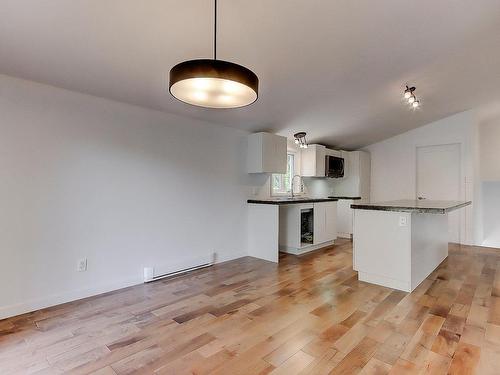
[306,227]
[325,222]
[344,218]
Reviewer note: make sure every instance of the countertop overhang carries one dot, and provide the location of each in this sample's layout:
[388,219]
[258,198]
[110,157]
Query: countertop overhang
[417,206]
[288,200]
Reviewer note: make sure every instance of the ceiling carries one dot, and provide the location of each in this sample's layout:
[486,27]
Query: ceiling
[335,69]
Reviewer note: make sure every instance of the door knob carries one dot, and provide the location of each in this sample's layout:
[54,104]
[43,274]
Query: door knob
[421,198]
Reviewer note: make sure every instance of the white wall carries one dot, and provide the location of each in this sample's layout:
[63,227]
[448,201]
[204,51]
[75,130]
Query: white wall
[491,213]
[489,141]
[490,150]
[318,187]
[393,162]
[121,185]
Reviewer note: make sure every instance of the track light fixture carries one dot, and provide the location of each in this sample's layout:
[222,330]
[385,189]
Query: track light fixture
[300,139]
[409,95]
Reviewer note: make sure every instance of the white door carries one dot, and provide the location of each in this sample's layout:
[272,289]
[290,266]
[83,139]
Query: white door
[439,178]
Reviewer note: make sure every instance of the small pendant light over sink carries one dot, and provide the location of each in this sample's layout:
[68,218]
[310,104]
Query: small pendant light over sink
[213,83]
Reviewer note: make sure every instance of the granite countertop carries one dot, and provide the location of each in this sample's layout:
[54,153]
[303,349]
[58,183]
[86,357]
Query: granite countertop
[289,200]
[418,206]
[339,197]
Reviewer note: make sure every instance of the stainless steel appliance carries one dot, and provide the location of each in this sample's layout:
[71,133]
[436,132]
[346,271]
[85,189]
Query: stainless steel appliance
[334,167]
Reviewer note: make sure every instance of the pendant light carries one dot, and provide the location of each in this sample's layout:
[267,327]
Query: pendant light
[213,83]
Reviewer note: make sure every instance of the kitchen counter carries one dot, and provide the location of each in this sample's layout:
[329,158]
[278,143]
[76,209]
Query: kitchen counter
[399,243]
[417,206]
[346,198]
[293,225]
[289,200]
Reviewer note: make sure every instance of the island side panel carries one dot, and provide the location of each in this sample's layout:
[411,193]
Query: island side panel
[263,231]
[382,248]
[429,244]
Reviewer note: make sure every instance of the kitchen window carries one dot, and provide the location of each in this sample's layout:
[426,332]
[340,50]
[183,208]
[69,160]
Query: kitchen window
[281,184]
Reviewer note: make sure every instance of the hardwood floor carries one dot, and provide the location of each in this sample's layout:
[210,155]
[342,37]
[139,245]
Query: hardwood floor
[309,315]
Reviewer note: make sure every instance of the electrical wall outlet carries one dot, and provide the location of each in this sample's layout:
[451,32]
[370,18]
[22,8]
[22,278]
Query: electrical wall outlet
[403,222]
[81,265]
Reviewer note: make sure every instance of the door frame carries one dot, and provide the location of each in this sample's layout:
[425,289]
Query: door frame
[462,226]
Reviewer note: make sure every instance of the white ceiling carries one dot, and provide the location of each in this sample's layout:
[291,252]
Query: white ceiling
[333,68]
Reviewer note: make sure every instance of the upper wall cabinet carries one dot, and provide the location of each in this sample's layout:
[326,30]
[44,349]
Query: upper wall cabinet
[266,153]
[313,161]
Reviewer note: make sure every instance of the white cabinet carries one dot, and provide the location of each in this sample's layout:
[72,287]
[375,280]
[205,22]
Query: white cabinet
[298,222]
[263,228]
[344,218]
[319,223]
[331,221]
[325,222]
[348,159]
[356,181]
[313,161]
[290,225]
[266,153]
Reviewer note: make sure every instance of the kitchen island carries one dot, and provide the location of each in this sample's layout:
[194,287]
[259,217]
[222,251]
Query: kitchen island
[397,244]
[293,225]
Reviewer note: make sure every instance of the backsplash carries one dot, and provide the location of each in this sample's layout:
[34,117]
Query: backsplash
[313,187]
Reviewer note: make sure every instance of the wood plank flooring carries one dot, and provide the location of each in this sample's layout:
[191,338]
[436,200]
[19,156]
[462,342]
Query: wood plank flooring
[309,315]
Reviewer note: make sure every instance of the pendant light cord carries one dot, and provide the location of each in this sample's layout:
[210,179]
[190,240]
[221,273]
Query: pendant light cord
[215,29]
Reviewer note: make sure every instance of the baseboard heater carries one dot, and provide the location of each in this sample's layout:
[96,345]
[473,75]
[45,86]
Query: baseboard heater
[178,268]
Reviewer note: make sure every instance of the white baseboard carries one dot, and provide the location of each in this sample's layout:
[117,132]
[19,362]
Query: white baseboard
[74,295]
[304,250]
[384,281]
[57,299]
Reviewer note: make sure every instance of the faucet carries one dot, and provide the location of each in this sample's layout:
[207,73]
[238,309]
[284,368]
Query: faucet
[291,183]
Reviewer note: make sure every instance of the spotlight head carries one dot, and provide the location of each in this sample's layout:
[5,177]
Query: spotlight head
[408,92]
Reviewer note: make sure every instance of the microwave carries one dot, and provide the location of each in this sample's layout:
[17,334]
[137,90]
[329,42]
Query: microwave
[334,167]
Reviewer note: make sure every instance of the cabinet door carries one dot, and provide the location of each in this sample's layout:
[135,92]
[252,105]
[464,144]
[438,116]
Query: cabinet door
[280,154]
[289,235]
[320,161]
[344,218]
[313,161]
[268,153]
[330,221]
[308,162]
[319,214]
